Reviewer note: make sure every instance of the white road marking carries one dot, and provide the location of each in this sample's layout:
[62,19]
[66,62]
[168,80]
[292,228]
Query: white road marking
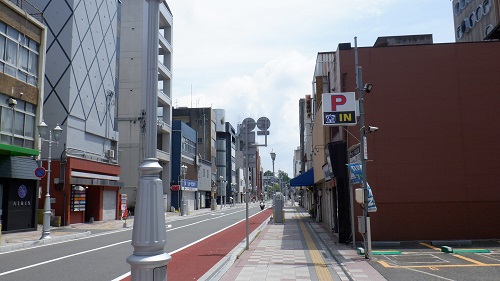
[61,258]
[437,276]
[167,227]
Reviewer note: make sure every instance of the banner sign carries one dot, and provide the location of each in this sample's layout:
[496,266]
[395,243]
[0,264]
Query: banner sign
[372,207]
[356,172]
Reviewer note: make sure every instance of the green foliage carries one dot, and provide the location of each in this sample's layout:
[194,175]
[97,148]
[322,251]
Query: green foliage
[284,177]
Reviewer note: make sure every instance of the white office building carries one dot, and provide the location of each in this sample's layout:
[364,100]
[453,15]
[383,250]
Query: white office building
[131,103]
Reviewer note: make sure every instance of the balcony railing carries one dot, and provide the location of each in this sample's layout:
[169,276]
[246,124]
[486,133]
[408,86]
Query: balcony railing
[29,8]
[162,126]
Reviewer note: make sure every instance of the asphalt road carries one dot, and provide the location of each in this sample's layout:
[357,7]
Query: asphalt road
[102,256]
[420,262]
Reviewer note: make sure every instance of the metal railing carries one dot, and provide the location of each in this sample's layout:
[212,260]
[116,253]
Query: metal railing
[29,8]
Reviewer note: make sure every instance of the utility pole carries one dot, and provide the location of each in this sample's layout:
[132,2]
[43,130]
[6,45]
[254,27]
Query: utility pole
[364,156]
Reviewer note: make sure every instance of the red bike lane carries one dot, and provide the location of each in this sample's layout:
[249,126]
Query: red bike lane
[194,261]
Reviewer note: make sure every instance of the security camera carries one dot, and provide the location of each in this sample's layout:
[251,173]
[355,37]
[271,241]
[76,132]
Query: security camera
[372,129]
[368,87]
[12,102]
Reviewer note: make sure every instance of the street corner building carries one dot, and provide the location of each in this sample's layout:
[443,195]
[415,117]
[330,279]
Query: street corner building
[45,78]
[22,56]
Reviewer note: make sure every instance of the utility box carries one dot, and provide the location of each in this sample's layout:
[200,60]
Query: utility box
[278,209]
[361,224]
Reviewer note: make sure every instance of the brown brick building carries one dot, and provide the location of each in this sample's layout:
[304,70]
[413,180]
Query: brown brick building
[433,164]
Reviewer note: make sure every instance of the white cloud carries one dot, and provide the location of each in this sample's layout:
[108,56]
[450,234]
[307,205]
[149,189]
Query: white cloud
[256,58]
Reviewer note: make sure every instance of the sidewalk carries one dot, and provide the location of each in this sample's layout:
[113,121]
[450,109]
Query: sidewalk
[20,240]
[299,249]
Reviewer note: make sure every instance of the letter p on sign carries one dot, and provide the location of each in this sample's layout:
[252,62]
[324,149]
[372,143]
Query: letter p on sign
[338,100]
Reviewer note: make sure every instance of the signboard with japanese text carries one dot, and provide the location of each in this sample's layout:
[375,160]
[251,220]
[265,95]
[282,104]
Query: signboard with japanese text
[189,185]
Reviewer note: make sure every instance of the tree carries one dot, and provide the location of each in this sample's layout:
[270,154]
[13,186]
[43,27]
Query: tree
[268,173]
[284,176]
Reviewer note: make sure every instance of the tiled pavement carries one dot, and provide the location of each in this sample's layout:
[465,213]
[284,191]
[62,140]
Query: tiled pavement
[299,249]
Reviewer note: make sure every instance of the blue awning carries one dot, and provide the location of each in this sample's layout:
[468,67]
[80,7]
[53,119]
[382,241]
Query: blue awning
[305,179]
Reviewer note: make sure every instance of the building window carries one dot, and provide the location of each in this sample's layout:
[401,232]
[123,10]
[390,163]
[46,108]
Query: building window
[472,20]
[456,8]
[479,13]
[488,29]
[486,6]
[188,147]
[18,55]
[17,126]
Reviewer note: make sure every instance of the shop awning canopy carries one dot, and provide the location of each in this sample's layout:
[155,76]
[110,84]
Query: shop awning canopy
[305,179]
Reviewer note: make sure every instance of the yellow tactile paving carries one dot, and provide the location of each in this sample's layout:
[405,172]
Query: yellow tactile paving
[317,259]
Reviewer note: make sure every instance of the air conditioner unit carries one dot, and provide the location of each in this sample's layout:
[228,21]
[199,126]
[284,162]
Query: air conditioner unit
[110,153]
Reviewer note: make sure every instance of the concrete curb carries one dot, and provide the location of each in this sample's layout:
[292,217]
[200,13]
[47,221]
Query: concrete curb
[29,244]
[220,268]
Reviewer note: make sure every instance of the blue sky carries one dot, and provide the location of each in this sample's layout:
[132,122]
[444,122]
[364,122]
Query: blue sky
[256,58]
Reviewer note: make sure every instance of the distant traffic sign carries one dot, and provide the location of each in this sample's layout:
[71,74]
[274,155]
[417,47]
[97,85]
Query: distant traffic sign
[40,172]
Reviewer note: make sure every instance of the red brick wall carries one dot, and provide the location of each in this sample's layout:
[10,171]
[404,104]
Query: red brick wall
[435,168]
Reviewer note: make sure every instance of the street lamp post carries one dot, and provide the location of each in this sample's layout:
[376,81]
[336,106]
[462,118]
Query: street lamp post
[179,194]
[233,193]
[183,188]
[214,202]
[42,131]
[149,259]
[273,157]
[219,191]
[223,197]
[222,186]
[183,204]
